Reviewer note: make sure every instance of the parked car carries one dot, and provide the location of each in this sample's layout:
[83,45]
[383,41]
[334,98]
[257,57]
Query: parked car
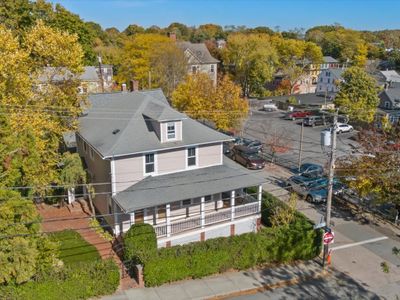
[318,192]
[255,145]
[315,121]
[342,127]
[309,170]
[270,106]
[299,184]
[297,115]
[247,157]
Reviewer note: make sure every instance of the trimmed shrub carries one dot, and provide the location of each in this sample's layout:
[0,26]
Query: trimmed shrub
[196,260]
[77,281]
[140,243]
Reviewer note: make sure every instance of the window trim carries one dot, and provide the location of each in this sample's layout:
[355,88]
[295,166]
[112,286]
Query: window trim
[91,153]
[85,147]
[196,156]
[168,124]
[154,163]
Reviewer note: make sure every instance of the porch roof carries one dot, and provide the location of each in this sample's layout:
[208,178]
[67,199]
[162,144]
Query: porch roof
[159,190]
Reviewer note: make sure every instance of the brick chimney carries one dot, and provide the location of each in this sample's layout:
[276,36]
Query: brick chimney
[172,36]
[134,85]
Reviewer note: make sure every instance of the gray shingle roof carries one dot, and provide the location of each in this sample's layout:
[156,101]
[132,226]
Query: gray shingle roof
[164,189]
[200,51]
[329,59]
[391,75]
[116,124]
[61,74]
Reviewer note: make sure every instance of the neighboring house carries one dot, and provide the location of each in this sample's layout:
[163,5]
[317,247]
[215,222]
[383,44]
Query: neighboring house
[90,81]
[107,73]
[221,44]
[328,62]
[151,164]
[390,102]
[387,77]
[200,59]
[328,81]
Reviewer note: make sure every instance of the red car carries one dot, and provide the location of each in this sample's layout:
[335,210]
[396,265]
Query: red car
[297,115]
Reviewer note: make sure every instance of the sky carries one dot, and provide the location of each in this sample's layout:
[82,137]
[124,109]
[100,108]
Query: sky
[287,14]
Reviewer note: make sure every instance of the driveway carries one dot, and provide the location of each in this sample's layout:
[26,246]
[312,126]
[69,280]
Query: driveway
[263,125]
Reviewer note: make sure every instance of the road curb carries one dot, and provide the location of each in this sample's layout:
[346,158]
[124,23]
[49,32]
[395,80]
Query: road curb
[269,287]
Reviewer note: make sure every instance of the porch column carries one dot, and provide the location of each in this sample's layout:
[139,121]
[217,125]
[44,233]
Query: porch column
[117,229]
[232,205]
[155,217]
[132,218]
[259,197]
[202,212]
[168,218]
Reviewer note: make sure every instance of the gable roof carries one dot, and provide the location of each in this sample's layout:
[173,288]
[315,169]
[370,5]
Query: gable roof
[117,124]
[329,59]
[391,94]
[199,51]
[390,75]
[62,74]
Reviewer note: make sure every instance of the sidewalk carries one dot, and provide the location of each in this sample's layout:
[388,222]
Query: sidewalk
[228,284]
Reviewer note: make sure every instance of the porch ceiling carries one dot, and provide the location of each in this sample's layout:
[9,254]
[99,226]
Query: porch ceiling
[159,190]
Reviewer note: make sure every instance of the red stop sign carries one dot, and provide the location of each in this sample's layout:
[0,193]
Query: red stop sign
[328,238]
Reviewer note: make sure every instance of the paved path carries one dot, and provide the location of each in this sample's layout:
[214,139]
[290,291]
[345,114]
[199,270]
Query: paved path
[226,285]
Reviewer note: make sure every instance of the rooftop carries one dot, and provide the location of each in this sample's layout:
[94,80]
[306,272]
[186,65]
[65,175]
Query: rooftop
[200,51]
[159,190]
[117,124]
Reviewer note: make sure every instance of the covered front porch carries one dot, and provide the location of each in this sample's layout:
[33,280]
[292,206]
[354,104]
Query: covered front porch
[190,214]
[195,201]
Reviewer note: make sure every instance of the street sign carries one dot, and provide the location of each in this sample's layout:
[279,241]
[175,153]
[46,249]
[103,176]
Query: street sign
[328,237]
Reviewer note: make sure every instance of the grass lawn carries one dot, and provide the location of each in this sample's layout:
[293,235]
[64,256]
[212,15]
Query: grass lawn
[73,248]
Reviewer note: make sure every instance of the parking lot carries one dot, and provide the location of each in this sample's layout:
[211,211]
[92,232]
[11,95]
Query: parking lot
[270,125]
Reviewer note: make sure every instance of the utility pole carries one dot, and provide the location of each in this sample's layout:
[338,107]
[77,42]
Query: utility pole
[301,145]
[330,182]
[101,74]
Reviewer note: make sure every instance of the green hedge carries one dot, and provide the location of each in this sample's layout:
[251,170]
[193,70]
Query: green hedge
[140,243]
[78,281]
[299,241]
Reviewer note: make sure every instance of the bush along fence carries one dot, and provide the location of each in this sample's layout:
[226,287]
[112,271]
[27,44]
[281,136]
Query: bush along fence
[297,241]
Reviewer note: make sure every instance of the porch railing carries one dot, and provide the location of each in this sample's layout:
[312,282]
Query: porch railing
[223,215]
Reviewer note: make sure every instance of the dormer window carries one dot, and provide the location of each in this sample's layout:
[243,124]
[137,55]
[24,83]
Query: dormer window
[171,134]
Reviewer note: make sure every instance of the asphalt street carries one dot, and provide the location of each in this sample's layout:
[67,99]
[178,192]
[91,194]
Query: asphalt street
[360,250]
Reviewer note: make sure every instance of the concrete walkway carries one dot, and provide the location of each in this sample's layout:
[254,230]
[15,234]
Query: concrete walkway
[228,284]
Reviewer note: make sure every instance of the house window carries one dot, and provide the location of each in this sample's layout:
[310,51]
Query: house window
[194,70]
[208,198]
[212,68]
[191,156]
[175,205]
[387,104]
[170,131]
[84,147]
[149,163]
[329,80]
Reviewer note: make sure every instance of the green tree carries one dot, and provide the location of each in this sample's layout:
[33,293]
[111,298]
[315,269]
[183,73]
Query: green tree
[24,251]
[358,95]
[71,173]
[251,60]
[222,105]
[133,29]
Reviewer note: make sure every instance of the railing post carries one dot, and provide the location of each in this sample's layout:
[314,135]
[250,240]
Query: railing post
[259,197]
[232,205]
[202,212]
[168,218]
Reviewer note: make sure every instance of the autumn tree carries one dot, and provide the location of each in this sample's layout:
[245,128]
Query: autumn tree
[24,251]
[37,116]
[137,56]
[277,140]
[358,95]
[295,58]
[168,67]
[377,173]
[133,29]
[222,105]
[252,60]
